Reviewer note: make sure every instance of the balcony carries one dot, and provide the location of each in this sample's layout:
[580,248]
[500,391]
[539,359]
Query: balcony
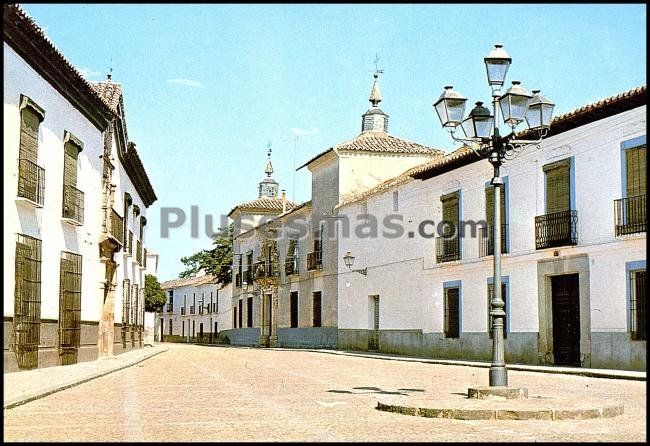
[170,308]
[138,252]
[630,215]
[486,240]
[315,260]
[31,182]
[182,311]
[265,269]
[238,280]
[144,257]
[291,265]
[191,309]
[557,229]
[116,227]
[73,205]
[129,244]
[447,249]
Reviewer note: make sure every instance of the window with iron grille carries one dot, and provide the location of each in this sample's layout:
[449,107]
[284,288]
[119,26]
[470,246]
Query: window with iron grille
[452,313]
[316,306]
[504,296]
[637,304]
[127,203]
[73,198]
[69,308]
[31,177]
[291,260]
[134,312]
[27,303]
[126,308]
[448,244]
[294,309]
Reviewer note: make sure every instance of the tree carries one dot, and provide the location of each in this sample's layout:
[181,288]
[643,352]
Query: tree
[216,261]
[154,296]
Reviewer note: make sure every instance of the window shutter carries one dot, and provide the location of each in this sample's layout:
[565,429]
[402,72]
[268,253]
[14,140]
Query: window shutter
[635,162]
[450,212]
[558,196]
[29,134]
[70,164]
[489,205]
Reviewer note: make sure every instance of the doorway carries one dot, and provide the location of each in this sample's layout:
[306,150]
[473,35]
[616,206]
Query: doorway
[566,319]
[373,338]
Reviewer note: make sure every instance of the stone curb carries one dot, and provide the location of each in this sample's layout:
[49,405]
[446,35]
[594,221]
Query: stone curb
[591,373]
[75,382]
[505,414]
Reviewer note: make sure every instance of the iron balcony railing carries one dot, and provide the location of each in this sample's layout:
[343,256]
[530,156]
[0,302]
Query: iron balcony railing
[557,229]
[182,311]
[486,240]
[144,257]
[73,204]
[170,308]
[138,252]
[116,226]
[238,280]
[265,269]
[291,265]
[191,309]
[630,215]
[31,181]
[447,249]
[314,260]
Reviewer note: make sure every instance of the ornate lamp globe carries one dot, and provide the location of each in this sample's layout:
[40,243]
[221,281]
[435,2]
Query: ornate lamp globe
[514,104]
[478,125]
[540,112]
[496,64]
[348,258]
[450,107]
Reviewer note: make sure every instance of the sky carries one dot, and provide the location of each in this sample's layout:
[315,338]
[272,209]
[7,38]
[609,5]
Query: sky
[207,87]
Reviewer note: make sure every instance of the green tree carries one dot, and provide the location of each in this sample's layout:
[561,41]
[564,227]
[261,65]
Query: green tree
[216,261]
[154,296]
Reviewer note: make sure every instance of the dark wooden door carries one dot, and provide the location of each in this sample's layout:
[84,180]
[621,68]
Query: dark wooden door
[566,320]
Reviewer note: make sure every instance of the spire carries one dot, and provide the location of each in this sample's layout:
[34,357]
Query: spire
[268,186]
[375,120]
[269,167]
[375,94]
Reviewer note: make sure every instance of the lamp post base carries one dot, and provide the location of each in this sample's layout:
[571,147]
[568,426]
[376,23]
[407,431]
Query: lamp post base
[498,376]
[509,393]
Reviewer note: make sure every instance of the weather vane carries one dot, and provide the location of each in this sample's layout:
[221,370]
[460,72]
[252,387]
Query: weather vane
[377,70]
[268,146]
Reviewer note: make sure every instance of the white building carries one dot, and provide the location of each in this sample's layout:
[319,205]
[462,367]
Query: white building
[574,243]
[286,253]
[57,176]
[197,310]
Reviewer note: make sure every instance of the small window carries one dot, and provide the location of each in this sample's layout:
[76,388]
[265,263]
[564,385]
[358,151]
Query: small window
[637,304]
[452,313]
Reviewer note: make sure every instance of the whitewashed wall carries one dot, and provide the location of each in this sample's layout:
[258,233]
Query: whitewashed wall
[45,223]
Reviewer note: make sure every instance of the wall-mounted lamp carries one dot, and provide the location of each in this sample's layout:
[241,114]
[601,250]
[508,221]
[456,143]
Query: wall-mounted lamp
[348,258]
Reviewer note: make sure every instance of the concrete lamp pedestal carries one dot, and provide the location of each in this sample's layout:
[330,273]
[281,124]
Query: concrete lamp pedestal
[509,393]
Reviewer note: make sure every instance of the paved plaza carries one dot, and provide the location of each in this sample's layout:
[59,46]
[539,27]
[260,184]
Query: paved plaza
[201,393]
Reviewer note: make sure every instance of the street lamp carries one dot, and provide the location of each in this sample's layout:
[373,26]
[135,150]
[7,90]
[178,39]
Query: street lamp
[481,129]
[348,259]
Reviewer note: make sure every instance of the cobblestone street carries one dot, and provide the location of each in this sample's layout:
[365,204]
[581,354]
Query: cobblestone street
[196,393]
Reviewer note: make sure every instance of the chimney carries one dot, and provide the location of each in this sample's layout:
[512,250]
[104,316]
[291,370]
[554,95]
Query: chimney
[284,201]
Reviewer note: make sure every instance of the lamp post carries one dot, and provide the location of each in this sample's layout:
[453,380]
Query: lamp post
[516,105]
[348,259]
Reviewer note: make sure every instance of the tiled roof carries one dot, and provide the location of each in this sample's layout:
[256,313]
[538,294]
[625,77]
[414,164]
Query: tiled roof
[271,220]
[406,176]
[265,204]
[587,114]
[28,39]
[380,142]
[110,92]
[195,281]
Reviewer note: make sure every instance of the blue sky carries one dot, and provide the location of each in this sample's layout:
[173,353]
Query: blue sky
[207,86]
